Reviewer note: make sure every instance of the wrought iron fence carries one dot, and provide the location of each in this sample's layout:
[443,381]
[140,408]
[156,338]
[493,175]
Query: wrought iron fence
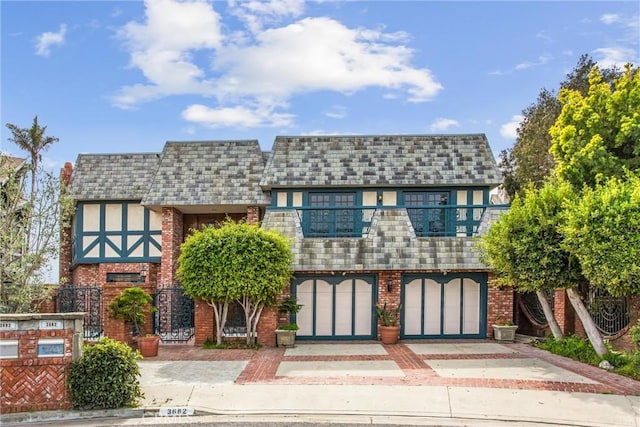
[610,314]
[87,299]
[531,304]
[175,316]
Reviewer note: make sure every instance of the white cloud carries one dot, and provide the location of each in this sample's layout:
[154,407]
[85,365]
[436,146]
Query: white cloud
[509,130]
[256,14]
[544,36]
[239,116]
[609,18]
[542,59]
[442,124]
[161,48]
[336,112]
[615,56]
[252,76]
[321,54]
[48,39]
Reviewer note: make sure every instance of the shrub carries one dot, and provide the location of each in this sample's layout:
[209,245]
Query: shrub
[105,377]
[573,347]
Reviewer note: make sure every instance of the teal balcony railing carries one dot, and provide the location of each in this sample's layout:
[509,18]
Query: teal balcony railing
[427,220]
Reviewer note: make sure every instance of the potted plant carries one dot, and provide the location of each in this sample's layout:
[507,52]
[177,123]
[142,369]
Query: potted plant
[286,334]
[389,323]
[504,330]
[132,306]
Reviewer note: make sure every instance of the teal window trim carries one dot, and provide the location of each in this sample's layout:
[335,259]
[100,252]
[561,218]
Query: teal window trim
[442,280]
[332,214]
[145,237]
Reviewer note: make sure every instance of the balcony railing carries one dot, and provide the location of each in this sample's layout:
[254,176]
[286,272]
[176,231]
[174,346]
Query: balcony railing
[427,220]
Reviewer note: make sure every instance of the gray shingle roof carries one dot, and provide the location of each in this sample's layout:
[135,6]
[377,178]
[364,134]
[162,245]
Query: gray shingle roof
[112,176]
[381,160]
[208,173]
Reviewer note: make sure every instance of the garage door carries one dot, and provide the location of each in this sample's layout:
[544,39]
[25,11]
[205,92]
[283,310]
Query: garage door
[335,307]
[444,306]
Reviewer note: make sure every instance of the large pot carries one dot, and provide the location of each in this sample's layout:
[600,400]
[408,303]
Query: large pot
[389,334]
[148,345]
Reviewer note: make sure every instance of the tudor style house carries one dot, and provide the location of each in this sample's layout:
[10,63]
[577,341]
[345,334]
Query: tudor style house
[371,219]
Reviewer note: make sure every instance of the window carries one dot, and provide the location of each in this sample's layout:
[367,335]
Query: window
[333,222]
[125,277]
[428,221]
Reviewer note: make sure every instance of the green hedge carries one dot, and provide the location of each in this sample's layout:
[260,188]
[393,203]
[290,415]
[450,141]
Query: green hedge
[105,377]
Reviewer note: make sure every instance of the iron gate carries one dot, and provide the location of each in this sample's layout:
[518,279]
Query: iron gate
[87,299]
[174,319]
[611,314]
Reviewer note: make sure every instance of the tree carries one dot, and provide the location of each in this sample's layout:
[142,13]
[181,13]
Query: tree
[33,141]
[237,261]
[30,218]
[523,247]
[529,160]
[597,135]
[603,231]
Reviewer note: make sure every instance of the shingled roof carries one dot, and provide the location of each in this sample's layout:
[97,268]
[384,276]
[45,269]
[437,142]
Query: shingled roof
[381,160]
[112,176]
[208,173]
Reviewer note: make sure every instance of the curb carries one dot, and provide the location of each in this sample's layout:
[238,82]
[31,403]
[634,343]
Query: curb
[67,415]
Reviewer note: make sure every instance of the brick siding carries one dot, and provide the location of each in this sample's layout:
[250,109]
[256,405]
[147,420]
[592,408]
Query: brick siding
[172,238]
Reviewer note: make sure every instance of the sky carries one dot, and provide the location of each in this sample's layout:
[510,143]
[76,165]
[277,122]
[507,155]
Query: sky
[127,76]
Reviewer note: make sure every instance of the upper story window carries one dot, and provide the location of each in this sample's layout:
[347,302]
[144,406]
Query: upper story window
[333,221]
[428,220]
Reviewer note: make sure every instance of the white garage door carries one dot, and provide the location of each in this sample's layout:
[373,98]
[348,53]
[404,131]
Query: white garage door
[444,306]
[335,307]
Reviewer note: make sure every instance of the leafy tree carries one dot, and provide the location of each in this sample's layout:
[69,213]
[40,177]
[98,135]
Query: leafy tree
[523,247]
[132,306]
[30,217]
[529,160]
[237,261]
[597,135]
[602,229]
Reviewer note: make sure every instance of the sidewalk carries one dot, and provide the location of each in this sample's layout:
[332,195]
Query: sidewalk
[413,383]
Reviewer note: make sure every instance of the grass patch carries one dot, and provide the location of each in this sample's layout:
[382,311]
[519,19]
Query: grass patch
[580,349]
[210,344]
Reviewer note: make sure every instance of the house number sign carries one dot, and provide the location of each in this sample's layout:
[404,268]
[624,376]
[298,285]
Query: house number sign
[176,411]
[51,324]
[7,325]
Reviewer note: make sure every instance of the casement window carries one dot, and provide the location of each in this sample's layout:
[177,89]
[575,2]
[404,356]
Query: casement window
[333,221]
[428,220]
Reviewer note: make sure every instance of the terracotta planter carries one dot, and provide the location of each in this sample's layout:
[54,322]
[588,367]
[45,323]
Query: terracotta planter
[148,345]
[389,334]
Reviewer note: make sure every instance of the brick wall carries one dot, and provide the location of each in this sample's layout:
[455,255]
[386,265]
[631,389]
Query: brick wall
[65,233]
[30,382]
[172,238]
[563,312]
[499,303]
[204,322]
[391,298]
[253,215]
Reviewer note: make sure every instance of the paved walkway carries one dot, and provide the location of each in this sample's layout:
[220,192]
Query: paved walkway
[416,381]
[412,383]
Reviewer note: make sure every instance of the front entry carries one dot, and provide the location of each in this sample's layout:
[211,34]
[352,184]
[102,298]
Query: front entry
[444,306]
[335,307]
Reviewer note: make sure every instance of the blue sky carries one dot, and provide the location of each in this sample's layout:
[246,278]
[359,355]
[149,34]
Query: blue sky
[126,76]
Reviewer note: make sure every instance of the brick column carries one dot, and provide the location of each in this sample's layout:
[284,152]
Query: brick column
[391,298]
[267,326]
[253,215]
[500,303]
[172,237]
[563,312]
[204,322]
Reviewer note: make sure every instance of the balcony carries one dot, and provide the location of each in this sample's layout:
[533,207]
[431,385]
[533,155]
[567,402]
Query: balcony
[426,220]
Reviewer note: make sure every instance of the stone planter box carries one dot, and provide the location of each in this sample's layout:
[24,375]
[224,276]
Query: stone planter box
[504,332]
[285,338]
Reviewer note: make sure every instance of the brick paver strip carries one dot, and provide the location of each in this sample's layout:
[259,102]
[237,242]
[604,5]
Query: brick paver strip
[262,368]
[263,364]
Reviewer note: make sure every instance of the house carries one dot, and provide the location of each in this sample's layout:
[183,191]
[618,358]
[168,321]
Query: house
[372,220]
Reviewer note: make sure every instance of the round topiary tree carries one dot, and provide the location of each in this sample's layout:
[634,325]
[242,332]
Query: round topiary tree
[235,262]
[105,377]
